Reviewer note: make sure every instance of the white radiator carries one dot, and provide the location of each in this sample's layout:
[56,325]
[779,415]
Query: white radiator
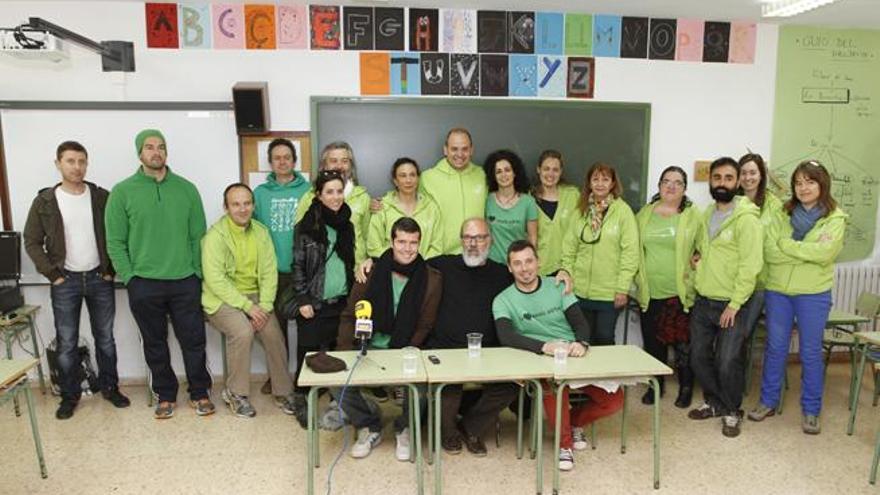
[851,281]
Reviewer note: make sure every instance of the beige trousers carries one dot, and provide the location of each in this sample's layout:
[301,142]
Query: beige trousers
[234,324]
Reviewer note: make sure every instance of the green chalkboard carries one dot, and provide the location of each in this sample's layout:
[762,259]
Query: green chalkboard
[827,97]
[383,129]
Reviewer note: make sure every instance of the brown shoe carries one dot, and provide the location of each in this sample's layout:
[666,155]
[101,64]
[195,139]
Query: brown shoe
[164,410]
[451,444]
[266,389]
[473,443]
[203,406]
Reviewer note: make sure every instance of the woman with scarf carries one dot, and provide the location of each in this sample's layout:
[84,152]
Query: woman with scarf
[404,293]
[601,251]
[805,238]
[668,228]
[323,273]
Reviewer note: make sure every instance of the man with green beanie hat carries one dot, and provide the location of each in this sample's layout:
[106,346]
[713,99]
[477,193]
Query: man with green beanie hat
[155,222]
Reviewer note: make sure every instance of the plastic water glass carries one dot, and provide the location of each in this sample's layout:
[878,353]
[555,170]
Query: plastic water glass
[475,343]
[410,360]
[560,353]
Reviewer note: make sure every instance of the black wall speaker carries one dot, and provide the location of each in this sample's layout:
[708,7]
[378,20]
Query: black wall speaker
[251,103]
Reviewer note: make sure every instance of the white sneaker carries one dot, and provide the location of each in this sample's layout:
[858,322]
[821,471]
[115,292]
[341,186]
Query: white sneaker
[366,440]
[402,450]
[579,439]
[566,460]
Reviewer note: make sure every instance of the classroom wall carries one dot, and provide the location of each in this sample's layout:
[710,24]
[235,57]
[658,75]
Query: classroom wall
[699,110]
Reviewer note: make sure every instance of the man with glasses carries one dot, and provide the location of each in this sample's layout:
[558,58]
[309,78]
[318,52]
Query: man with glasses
[470,283]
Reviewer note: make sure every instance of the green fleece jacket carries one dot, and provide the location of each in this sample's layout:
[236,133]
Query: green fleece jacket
[359,202]
[275,206]
[772,207]
[606,267]
[686,236]
[427,215]
[154,229]
[218,263]
[462,194]
[552,232]
[730,262]
[804,267]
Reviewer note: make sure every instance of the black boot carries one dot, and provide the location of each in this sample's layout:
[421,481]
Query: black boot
[648,398]
[685,387]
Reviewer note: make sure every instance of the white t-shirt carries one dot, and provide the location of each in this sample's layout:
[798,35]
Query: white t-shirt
[80,243]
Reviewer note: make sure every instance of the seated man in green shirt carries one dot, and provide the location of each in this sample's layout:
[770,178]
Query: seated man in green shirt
[404,293]
[535,314]
[241,277]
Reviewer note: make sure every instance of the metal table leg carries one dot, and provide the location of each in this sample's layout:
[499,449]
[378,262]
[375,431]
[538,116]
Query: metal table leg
[655,385]
[311,450]
[414,411]
[519,421]
[557,432]
[854,405]
[438,473]
[8,335]
[30,322]
[34,428]
[623,424]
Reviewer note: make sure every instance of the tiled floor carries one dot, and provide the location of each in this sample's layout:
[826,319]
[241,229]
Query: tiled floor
[102,451]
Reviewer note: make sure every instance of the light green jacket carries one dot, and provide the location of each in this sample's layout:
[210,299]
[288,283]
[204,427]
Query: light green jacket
[218,267]
[359,202]
[686,235]
[804,267]
[607,267]
[730,262]
[772,207]
[462,194]
[427,215]
[552,232]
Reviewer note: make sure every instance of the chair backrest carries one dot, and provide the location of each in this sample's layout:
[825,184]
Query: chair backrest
[868,305]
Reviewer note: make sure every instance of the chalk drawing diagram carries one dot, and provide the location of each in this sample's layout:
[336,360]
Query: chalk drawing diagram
[830,115]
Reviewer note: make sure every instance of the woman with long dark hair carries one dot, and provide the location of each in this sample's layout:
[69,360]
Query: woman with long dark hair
[805,238]
[323,273]
[600,252]
[668,228]
[510,210]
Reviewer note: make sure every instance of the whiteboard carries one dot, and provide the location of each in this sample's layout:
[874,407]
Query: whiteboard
[202,147]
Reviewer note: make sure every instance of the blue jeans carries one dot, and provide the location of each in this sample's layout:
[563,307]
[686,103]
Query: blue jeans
[810,312]
[602,317]
[67,299]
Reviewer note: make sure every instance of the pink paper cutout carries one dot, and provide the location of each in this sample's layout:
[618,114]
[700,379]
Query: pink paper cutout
[292,26]
[742,42]
[689,46]
[227,20]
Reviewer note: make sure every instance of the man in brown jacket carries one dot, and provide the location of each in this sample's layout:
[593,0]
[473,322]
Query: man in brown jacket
[404,293]
[64,236]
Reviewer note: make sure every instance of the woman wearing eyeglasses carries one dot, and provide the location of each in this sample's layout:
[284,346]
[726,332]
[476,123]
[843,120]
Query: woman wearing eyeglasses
[557,210]
[668,227]
[601,251]
[323,273]
[804,239]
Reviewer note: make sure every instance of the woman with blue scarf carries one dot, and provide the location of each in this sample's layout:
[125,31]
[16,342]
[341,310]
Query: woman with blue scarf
[805,238]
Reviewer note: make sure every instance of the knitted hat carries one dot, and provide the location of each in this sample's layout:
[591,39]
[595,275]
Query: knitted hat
[143,135]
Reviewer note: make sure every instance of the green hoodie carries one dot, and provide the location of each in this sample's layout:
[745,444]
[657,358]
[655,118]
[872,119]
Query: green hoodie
[607,267]
[359,202]
[275,207]
[686,235]
[804,267]
[154,228]
[462,194]
[730,262]
[772,206]
[427,215]
[552,232]
[218,262]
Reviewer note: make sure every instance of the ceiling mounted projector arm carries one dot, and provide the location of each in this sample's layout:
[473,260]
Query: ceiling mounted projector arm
[115,55]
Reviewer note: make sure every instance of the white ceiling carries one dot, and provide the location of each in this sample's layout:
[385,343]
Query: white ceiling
[843,13]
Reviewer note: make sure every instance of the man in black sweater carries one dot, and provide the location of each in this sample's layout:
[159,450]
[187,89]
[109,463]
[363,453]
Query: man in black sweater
[470,282]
